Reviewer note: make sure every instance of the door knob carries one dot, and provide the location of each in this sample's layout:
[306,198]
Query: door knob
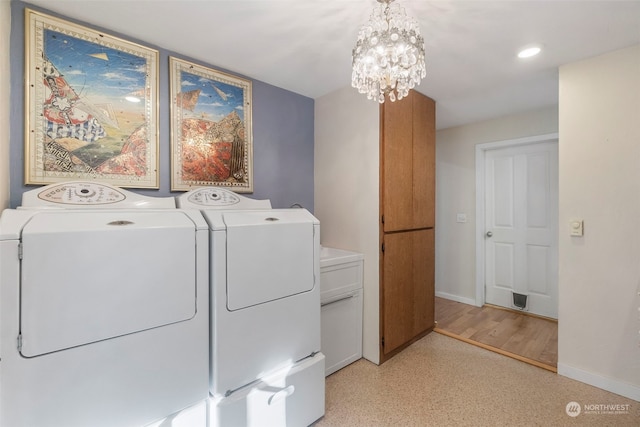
[489,234]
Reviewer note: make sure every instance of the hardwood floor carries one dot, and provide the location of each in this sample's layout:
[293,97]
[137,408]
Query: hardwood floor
[522,336]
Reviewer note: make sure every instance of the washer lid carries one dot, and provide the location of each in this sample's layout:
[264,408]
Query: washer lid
[90,276]
[270,255]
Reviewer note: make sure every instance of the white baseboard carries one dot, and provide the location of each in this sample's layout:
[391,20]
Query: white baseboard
[456,298]
[614,386]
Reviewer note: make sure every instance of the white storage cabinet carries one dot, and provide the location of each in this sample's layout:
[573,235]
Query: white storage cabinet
[341,302]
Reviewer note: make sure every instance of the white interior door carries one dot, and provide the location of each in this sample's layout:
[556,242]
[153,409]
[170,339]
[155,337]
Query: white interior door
[521,226]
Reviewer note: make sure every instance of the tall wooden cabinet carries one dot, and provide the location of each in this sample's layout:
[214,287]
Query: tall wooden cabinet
[407,221]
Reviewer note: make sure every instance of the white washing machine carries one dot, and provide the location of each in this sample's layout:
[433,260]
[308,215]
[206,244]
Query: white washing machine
[266,365]
[103,308]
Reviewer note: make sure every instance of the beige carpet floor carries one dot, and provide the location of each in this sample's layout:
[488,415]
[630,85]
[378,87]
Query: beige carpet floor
[440,381]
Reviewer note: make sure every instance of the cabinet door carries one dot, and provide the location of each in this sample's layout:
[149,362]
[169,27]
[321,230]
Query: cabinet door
[424,162]
[396,157]
[408,163]
[407,287]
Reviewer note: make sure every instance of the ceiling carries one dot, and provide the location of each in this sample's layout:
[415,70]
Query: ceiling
[305,45]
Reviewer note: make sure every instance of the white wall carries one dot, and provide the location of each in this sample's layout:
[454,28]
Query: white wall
[456,191]
[346,187]
[600,183]
[5,30]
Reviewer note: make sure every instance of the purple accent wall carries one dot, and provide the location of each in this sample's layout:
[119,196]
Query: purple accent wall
[282,128]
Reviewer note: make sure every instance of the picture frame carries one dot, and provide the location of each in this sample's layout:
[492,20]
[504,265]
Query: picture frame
[91,106]
[211,128]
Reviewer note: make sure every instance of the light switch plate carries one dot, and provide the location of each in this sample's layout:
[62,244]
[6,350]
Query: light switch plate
[576,227]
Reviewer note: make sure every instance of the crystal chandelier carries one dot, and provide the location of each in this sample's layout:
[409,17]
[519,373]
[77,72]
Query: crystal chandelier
[388,58]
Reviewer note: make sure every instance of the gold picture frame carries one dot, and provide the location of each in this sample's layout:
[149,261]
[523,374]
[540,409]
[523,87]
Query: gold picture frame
[211,128]
[91,107]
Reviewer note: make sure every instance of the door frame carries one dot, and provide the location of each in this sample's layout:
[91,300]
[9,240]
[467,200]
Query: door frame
[481,150]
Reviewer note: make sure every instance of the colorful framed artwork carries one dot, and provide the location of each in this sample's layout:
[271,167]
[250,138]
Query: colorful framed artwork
[211,135]
[91,106]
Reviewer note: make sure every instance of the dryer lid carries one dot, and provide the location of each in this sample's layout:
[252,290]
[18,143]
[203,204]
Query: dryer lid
[90,276]
[270,255]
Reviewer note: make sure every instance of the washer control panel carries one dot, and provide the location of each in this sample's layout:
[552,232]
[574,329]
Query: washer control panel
[81,193]
[90,195]
[213,197]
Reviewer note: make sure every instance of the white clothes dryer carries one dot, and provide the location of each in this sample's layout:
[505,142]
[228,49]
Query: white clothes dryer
[266,365]
[103,308]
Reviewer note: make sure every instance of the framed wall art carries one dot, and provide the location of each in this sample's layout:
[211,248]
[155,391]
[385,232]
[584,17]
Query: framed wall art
[211,135]
[91,106]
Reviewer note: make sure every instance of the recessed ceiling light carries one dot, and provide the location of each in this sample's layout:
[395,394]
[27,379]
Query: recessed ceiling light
[529,51]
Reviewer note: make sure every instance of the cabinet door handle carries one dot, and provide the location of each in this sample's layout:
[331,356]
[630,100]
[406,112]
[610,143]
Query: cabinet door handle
[337,300]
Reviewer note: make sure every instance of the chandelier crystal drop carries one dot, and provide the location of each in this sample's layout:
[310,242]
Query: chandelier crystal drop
[388,58]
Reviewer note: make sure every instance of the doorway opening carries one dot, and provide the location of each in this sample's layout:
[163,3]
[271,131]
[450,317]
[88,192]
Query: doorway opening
[519,178]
